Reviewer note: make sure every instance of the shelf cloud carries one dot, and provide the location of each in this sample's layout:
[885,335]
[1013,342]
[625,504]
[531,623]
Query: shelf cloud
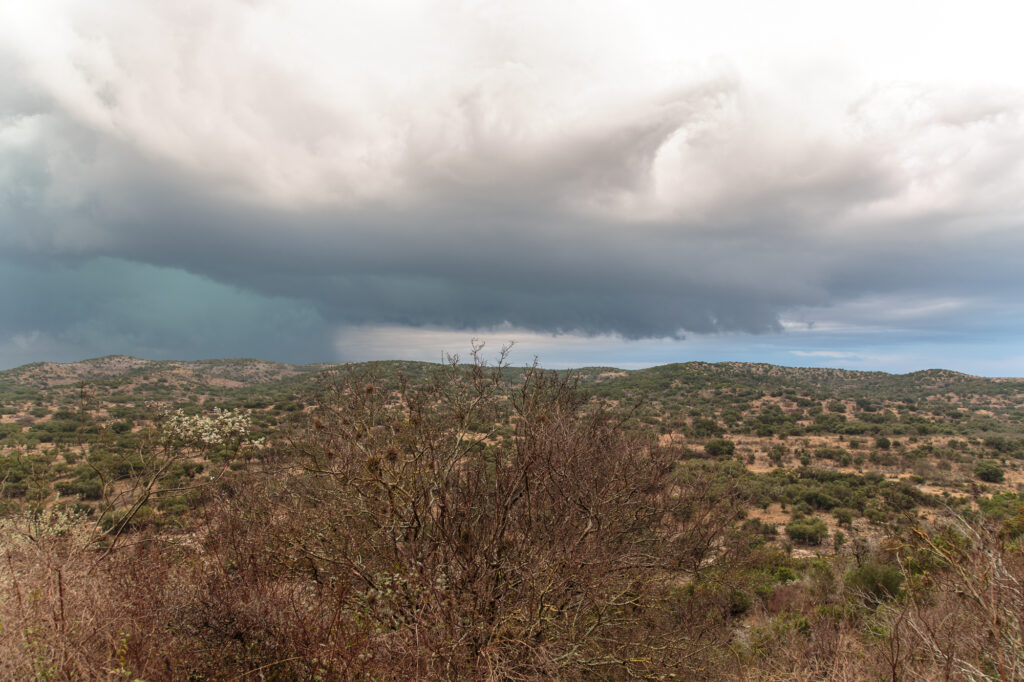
[656,171]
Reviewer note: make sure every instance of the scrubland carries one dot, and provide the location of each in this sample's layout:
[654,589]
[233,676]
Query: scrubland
[246,520]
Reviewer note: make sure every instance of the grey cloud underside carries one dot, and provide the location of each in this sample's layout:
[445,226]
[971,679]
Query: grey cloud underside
[66,311]
[427,269]
[494,242]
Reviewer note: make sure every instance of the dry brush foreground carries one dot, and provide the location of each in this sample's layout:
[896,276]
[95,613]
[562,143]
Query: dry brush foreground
[465,529]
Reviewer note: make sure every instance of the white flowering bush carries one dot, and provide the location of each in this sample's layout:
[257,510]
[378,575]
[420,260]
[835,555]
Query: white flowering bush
[225,428]
[166,466]
[54,522]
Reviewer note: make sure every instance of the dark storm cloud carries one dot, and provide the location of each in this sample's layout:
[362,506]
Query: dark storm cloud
[478,261]
[518,182]
[443,266]
[65,311]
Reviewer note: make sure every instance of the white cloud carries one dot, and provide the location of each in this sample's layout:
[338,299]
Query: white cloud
[299,102]
[825,354]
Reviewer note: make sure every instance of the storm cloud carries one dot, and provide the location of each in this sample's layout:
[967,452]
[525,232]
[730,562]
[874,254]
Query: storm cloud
[260,178]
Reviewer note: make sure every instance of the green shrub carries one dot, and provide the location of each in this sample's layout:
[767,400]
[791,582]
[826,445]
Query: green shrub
[739,603]
[834,454]
[703,427]
[758,527]
[876,513]
[1013,528]
[838,540]
[87,488]
[801,509]
[1000,505]
[999,444]
[810,531]
[720,447]
[989,471]
[785,574]
[843,516]
[777,453]
[875,582]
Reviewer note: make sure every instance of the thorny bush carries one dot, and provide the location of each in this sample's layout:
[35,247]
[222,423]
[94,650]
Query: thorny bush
[481,528]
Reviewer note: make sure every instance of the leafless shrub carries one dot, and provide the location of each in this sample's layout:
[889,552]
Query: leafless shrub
[558,550]
[60,619]
[964,610]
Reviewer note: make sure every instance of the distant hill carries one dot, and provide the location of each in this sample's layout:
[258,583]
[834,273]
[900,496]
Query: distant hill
[236,372]
[700,375]
[185,380]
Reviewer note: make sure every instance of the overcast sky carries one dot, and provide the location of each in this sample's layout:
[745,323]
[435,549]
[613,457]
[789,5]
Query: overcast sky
[616,183]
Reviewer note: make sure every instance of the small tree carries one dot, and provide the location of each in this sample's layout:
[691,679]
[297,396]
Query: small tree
[777,453]
[703,427]
[720,447]
[807,531]
[989,471]
[838,540]
[875,581]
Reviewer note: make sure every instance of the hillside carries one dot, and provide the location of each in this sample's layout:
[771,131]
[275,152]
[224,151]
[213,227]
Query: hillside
[231,378]
[708,518]
[931,427]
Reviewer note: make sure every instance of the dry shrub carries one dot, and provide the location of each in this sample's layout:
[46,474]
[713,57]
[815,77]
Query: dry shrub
[963,616]
[959,616]
[556,550]
[64,614]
